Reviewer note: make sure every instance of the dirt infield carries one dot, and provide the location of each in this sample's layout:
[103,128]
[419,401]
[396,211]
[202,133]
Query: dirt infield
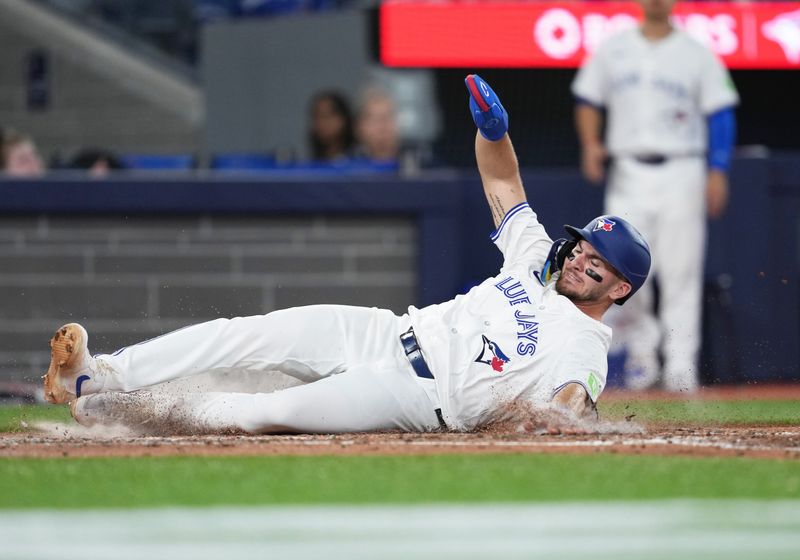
[766,442]
[775,442]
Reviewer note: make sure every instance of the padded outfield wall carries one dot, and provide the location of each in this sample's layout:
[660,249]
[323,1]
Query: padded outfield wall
[135,257]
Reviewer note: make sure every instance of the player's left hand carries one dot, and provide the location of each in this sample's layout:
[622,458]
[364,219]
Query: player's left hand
[716,193]
[488,113]
[553,423]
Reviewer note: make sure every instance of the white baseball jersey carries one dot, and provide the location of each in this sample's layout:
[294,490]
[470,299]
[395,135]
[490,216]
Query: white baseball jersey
[657,92]
[510,338]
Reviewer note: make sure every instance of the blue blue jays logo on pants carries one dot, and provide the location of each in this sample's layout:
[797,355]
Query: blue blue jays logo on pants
[491,355]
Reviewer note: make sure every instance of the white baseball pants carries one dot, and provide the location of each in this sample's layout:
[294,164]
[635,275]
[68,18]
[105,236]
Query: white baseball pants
[667,205]
[356,376]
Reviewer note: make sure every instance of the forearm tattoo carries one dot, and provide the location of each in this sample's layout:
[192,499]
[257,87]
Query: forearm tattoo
[498,211]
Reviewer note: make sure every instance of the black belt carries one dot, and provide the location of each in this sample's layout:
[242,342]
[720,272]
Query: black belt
[651,159]
[660,159]
[414,354]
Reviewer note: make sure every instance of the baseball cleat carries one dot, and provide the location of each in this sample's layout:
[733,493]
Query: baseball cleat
[69,364]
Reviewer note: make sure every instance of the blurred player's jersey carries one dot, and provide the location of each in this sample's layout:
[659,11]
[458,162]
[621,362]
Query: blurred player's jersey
[510,338]
[657,93]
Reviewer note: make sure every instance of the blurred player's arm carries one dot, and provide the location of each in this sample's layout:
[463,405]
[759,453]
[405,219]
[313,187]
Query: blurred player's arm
[721,138]
[589,126]
[497,162]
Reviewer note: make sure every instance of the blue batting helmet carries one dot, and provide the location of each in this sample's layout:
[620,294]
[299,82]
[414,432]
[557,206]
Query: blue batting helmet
[621,245]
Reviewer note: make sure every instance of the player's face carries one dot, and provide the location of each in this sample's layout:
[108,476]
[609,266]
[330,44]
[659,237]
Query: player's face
[657,10]
[587,277]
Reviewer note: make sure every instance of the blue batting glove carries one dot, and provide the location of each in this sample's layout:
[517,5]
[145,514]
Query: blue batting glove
[488,113]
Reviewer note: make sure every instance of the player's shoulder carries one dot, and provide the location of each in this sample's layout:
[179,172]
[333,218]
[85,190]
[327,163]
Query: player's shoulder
[588,344]
[623,36]
[582,330]
[692,46]
[624,40]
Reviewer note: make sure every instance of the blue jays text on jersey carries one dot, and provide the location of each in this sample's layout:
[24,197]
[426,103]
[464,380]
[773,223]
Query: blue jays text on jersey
[528,329]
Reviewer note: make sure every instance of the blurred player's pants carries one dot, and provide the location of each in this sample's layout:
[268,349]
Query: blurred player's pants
[357,376]
[666,202]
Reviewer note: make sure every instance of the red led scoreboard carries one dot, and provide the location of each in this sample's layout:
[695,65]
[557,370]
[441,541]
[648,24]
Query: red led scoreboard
[507,34]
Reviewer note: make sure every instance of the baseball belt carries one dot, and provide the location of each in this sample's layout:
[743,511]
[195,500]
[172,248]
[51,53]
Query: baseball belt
[414,354]
[660,159]
[651,159]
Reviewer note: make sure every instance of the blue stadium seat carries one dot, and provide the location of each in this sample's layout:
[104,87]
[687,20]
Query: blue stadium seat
[243,162]
[158,162]
[262,163]
[349,166]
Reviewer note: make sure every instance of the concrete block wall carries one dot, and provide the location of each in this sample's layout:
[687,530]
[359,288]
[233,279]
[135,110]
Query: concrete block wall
[131,278]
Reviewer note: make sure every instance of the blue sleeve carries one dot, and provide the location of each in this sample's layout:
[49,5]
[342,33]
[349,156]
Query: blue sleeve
[721,137]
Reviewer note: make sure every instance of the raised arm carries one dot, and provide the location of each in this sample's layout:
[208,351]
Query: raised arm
[497,162]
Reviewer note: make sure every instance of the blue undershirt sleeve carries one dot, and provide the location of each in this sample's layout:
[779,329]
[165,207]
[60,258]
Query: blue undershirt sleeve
[721,137]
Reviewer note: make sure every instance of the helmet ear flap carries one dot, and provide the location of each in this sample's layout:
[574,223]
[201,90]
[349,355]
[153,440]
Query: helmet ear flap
[559,251]
[564,251]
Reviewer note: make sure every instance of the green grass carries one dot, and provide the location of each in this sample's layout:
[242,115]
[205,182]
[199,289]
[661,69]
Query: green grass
[715,413]
[204,481]
[13,416]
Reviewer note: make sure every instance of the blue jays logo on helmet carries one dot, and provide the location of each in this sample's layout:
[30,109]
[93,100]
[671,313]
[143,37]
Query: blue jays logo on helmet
[604,224]
[491,355]
[621,245]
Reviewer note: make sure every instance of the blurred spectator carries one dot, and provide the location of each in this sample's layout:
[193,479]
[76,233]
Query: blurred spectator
[98,162]
[376,127]
[19,156]
[331,127]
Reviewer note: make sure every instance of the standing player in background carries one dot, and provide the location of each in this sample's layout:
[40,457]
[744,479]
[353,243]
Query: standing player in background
[670,129]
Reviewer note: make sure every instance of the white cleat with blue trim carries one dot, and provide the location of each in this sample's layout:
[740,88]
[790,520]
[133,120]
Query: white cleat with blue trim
[70,364]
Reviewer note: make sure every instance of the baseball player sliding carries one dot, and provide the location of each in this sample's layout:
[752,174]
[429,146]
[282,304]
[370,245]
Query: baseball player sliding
[670,129]
[530,336]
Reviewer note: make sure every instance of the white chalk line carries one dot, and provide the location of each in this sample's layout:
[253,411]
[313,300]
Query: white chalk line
[729,529]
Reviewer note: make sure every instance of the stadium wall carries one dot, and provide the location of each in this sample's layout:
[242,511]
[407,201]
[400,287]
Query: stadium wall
[135,257]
